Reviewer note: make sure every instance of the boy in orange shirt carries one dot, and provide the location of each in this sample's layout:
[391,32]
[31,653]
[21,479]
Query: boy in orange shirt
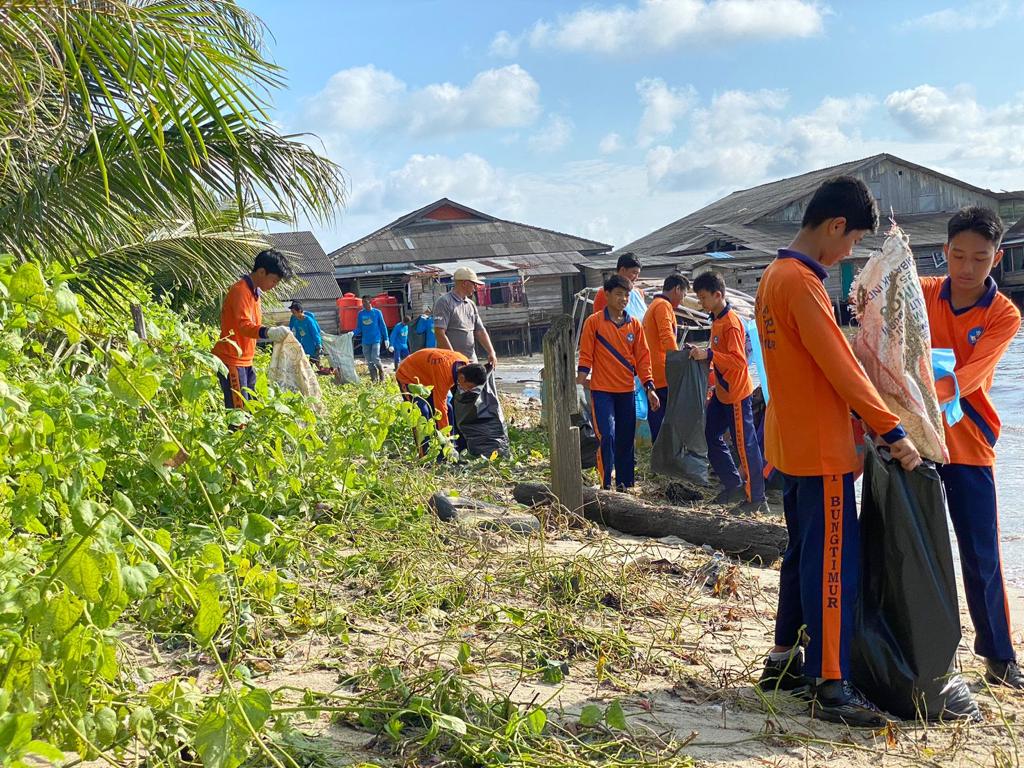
[436,368]
[966,313]
[660,327]
[815,381]
[241,325]
[612,352]
[628,267]
[731,405]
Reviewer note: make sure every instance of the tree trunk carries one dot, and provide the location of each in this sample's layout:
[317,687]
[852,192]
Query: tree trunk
[750,540]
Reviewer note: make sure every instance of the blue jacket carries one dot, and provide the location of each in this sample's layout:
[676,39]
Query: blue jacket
[307,331]
[400,338]
[425,325]
[370,327]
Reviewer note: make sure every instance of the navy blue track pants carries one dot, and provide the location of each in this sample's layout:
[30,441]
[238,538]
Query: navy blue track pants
[971,498]
[614,415]
[820,574]
[738,420]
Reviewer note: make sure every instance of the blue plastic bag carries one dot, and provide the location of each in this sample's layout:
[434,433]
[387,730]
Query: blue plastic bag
[637,308]
[757,355]
[943,363]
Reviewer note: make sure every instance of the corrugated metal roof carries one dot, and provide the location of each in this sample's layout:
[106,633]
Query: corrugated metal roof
[475,237]
[304,251]
[314,272]
[314,285]
[736,216]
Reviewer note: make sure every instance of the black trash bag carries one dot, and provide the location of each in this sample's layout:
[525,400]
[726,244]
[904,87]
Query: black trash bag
[681,450]
[908,621]
[589,444]
[479,420]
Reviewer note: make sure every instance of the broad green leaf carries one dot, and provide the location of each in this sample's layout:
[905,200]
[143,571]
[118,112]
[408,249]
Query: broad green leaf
[136,579]
[210,614]
[106,725]
[536,721]
[124,505]
[450,723]
[83,517]
[142,723]
[614,716]
[554,671]
[591,715]
[131,384]
[15,731]
[83,573]
[59,614]
[67,303]
[216,741]
[44,750]
[257,528]
[162,453]
[257,706]
[27,283]
[222,738]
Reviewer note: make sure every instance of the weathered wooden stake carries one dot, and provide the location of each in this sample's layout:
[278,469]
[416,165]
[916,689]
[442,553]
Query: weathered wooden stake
[560,405]
[139,320]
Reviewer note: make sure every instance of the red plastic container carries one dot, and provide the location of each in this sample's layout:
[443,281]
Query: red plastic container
[388,305]
[348,308]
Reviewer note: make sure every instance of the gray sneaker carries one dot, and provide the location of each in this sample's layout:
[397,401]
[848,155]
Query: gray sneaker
[838,701]
[745,508]
[1004,673]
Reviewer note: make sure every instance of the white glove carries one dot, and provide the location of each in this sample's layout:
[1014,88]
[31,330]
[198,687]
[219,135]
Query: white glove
[278,333]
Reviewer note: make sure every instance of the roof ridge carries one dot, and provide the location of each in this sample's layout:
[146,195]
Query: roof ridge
[419,212]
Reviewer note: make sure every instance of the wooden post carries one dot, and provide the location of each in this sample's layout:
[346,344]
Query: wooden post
[139,320]
[560,405]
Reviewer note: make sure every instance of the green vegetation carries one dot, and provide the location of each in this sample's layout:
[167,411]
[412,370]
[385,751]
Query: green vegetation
[155,558]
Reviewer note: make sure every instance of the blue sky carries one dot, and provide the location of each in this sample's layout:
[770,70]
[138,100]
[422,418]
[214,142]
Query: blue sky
[612,119]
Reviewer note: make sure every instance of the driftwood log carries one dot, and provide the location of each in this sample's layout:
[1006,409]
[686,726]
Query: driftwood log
[750,540]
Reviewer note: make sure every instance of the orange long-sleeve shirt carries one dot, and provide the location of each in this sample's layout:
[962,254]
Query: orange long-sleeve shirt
[240,324]
[660,332]
[728,357]
[978,336]
[815,379]
[435,368]
[613,353]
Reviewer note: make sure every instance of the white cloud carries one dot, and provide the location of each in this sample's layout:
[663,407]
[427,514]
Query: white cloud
[987,140]
[365,99]
[986,14]
[668,24]
[359,99]
[745,137]
[467,178]
[553,136]
[504,46]
[930,112]
[663,106]
[610,144]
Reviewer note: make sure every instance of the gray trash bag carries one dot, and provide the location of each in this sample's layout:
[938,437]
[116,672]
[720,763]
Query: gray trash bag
[589,444]
[681,450]
[479,420]
[340,352]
